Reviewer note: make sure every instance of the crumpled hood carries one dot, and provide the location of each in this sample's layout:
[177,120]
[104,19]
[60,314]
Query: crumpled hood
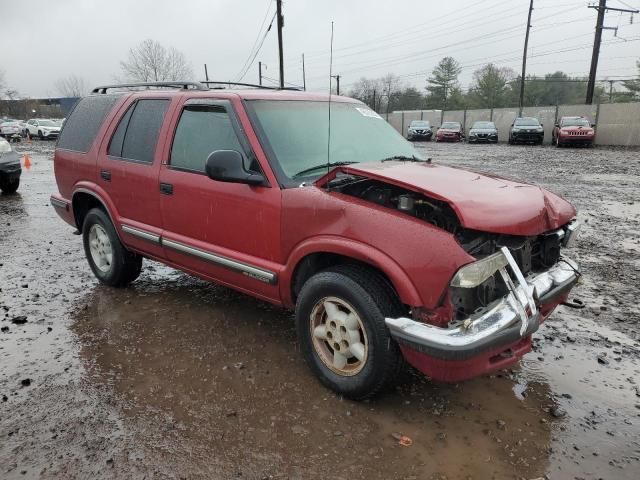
[481,201]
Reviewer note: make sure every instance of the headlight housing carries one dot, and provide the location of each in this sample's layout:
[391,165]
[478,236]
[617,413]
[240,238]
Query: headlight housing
[476,273]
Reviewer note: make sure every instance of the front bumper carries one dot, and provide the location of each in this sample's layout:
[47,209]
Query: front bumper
[576,138]
[416,134]
[491,138]
[10,165]
[519,136]
[467,349]
[53,134]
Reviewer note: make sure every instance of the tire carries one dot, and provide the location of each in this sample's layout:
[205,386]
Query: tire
[9,187]
[123,266]
[40,137]
[371,299]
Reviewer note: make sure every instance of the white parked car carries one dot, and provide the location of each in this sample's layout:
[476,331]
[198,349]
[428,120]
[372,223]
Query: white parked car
[42,128]
[11,130]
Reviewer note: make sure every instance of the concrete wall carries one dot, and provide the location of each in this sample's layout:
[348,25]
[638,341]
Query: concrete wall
[503,118]
[617,123]
[474,116]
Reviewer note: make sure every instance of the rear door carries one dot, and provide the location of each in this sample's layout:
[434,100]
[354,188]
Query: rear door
[128,167]
[229,232]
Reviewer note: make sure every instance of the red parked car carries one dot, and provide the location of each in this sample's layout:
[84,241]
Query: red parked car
[382,254]
[573,131]
[449,132]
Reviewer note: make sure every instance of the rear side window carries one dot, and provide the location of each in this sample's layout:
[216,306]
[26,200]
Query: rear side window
[137,133]
[202,130]
[81,127]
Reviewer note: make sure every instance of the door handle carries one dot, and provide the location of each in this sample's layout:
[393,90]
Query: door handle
[106,175]
[166,188]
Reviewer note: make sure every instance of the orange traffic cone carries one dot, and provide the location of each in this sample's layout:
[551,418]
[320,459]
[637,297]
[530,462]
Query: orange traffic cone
[27,161]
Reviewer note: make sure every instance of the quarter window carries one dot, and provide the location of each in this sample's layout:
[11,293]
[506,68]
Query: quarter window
[202,129]
[137,133]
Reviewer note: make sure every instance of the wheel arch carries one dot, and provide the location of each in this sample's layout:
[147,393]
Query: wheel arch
[316,255]
[83,200]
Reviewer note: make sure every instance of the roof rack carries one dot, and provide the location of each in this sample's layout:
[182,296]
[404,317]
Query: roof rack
[182,85]
[264,87]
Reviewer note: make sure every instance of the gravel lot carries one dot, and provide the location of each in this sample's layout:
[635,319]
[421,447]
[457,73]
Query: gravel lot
[177,378]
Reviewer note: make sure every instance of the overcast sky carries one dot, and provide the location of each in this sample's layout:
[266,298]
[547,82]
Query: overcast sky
[44,40]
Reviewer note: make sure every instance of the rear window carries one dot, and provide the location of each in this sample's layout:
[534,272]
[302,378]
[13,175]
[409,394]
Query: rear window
[82,126]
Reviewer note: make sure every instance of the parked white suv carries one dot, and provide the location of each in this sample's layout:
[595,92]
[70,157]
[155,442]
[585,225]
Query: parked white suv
[42,128]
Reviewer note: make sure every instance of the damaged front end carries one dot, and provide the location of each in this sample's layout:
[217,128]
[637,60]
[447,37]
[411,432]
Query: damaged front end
[497,302]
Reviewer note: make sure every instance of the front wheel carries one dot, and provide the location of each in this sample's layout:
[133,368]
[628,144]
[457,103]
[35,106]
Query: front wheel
[109,260]
[9,186]
[340,320]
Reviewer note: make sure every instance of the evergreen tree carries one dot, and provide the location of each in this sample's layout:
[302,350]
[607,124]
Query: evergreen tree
[442,83]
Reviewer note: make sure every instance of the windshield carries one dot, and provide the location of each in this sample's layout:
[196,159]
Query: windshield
[46,123]
[528,122]
[418,123]
[450,125]
[484,125]
[575,122]
[297,133]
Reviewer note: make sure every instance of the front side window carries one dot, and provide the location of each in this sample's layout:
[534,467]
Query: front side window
[137,140]
[296,133]
[202,130]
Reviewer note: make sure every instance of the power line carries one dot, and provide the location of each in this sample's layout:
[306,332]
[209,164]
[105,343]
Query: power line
[244,65]
[253,58]
[595,56]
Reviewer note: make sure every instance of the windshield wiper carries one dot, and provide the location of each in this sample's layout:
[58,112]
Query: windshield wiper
[402,158]
[318,167]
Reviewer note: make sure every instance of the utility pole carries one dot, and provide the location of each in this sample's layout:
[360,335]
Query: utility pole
[337,77]
[206,74]
[602,9]
[280,25]
[260,73]
[304,77]
[524,59]
[610,89]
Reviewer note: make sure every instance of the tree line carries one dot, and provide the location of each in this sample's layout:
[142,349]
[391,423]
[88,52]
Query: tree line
[492,87]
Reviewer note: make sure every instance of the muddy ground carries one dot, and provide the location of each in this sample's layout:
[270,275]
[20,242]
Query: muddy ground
[177,378]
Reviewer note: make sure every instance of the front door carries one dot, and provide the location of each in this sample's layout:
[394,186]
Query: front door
[229,232]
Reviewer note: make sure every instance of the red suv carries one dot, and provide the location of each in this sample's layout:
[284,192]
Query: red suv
[383,254]
[573,131]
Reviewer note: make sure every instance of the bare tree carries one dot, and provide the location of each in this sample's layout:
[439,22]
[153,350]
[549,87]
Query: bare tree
[152,62]
[3,85]
[71,86]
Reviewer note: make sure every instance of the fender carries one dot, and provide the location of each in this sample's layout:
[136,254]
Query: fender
[101,195]
[356,250]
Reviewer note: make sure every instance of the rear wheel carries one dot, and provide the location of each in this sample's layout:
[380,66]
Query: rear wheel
[109,260]
[9,186]
[40,137]
[340,320]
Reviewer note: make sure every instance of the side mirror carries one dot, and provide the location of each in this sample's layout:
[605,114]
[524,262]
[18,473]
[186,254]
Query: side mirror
[228,166]
[593,125]
[557,125]
[542,124]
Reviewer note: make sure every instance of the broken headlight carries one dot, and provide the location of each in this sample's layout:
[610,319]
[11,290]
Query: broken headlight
[476,273]
[571,233]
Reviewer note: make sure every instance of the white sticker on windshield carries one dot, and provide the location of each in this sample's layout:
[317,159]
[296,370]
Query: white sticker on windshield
[367,112]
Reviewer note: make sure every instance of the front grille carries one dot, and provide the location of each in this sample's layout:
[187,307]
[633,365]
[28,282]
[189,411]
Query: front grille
[578,132]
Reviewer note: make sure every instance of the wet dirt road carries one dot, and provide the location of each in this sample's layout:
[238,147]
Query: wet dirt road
[177,378]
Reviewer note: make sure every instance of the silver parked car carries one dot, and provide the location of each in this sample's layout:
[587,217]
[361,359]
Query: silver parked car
[483,132]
